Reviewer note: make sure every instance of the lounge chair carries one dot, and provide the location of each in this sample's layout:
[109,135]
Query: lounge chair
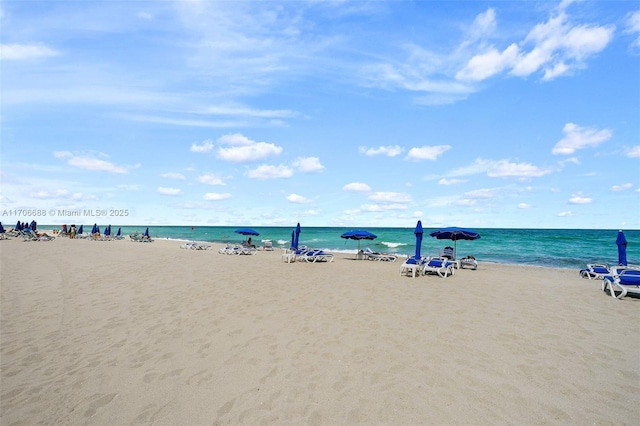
[595,271]
[313,256]
[469,262]
[439,265]
[627,280]
[374,255]
[268,245]
[193,245]
[412,266]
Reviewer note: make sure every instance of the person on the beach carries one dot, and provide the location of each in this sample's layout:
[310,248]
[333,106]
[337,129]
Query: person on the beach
[250,244]
[72,231]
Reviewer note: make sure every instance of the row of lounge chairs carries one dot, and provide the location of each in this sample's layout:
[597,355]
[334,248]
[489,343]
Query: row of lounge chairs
[238,249]
[619,280]
[195,245]
[428,265]
[305,254]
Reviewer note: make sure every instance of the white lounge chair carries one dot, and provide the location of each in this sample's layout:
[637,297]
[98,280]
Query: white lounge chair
[412,266]
[268,245]
[374,255]
[313,256]
[595,271]
[469,262]
[627,280]
[439,265]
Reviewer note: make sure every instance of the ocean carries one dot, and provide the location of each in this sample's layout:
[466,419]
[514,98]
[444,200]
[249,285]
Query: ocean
[560,248]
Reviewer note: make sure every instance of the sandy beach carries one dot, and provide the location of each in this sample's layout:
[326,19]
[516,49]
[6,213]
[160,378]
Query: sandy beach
[122,333]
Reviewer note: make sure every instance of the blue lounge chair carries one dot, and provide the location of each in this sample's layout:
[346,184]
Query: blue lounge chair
[412,266]
[439,265]
[595,271]
[627,280]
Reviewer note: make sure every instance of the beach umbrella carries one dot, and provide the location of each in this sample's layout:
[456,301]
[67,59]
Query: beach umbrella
[33,225]
[453,233]
[296,238]
[80,230]
[418,232]
[118,234]
[2,231]
[621,241]
[19,226]
[358,235]
[94,230]
[246,231]
[107,230]
[146,232]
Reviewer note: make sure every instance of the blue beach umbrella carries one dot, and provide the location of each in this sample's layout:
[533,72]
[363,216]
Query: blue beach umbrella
[107,230]
[118,234]
[358,235]
[296,237]
[246,231]
[455,234]
[80,230]
[2,231]
[146,232]
[95,229]
[418,232]
[621,241]
[33,225]
[19,226]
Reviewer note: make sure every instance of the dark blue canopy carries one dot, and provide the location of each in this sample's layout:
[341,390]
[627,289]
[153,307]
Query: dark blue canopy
[107,230]
[455,234]
[33,225]
[146,232]
[80,229]
[2,231]
[119,230]
[246,231]
[19,226]
[621,241]
[359,235]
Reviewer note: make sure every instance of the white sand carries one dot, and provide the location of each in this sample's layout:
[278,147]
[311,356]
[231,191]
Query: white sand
[120,333]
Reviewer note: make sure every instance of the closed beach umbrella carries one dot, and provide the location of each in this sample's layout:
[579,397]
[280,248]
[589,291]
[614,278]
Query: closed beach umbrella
[146,232]
[95,229]
[80,230]
[107,230]
[118,234]
[418,232]
[453,233]
[1,228]
[621,241]
[358,235]
[33,225]
[19,226]
[296,238]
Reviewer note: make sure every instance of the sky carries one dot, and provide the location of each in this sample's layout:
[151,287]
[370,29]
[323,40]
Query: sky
[486,114]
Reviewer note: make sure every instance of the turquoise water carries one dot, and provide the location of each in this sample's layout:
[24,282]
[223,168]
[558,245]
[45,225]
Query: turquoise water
[562,248]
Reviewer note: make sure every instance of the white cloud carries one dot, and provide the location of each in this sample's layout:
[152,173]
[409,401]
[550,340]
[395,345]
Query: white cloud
[623,187]
[427,152]
[242,149]
[577,137]
[92,163]
[579,199]
[382,207]
[308,165]
[390,197]
[206,146]
[448,182]
[25,51]
[169,191]
[568,213]
[356,187]
[210,179]
[504,168]
[172,175]
[389,151]
[270,172]
[214,196]
[487,193]
[633,152]
[633,27]
[298,199]
[524,206]
[555,47]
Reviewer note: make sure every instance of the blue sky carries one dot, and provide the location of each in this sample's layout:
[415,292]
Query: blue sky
[328,113]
